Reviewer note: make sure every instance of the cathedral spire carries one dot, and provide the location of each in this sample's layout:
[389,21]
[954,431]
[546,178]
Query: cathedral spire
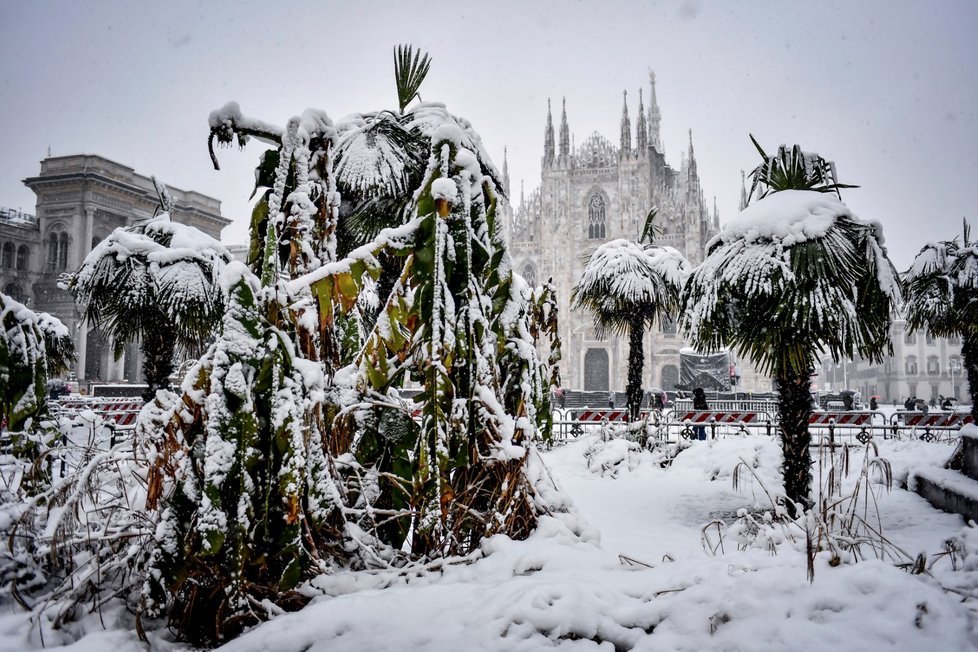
[743,192]
[641,133]
[692,178]
[655,118]
[626,126]
[505,173]
[548,138]
[564,131]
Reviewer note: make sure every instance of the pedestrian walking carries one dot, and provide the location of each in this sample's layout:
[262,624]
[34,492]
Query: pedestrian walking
[699,403]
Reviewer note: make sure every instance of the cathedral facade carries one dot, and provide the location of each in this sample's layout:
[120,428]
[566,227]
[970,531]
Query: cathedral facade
[598,191]
[81,199]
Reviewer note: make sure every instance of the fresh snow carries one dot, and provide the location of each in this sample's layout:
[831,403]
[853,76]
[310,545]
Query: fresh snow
[789,216]
[626,568]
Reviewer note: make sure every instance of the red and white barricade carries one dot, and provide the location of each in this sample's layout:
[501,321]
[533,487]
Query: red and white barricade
[820,418]
[120,411]
[597,416]
[937,419]
[721,416]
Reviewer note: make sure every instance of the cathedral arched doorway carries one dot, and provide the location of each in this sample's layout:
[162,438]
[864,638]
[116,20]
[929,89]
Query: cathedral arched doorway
[670,377]
[596,376]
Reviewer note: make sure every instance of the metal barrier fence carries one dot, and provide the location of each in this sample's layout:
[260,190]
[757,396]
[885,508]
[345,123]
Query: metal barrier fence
[828,428]
[751,405]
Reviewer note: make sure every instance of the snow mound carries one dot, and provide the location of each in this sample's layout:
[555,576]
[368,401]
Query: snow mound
[616,456]
[789,216]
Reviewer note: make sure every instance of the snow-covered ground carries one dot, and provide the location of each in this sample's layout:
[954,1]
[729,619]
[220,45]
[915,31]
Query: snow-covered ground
[627,570]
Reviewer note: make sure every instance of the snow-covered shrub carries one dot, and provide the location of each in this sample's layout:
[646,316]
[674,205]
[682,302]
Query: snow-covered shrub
[611,457]
[83,537]
[290,450]
[32,345]
[843,527]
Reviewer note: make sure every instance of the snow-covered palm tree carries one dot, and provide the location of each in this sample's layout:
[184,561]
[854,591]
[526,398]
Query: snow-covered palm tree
[626,286]
[796,274]
[32,346]
[157,282]
[941,297]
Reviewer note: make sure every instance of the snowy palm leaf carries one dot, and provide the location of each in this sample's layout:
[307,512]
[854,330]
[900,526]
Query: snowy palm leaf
[31,346]
[941,288]
[624,280]
[409,73]
[793,169]
[139,273]
[793,275]
[378,157]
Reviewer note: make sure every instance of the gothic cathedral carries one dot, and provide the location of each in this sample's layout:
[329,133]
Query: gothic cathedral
[593,193]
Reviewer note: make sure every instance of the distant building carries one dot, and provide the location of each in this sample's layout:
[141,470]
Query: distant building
[922,366]
[80,200]
[597,192]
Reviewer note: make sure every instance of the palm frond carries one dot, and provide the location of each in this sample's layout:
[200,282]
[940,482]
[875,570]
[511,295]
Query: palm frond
[624,281]
[651,230]
[410,69]
[793,169]
[941,288]
[783,305]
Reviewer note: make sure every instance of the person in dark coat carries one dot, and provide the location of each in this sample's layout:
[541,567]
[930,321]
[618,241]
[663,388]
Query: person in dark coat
[699,403]
[873,405]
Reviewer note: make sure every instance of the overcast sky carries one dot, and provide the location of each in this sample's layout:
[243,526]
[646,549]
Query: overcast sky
[888,90]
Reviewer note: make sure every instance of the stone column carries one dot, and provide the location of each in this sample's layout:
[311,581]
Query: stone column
[82,349]
[86,244]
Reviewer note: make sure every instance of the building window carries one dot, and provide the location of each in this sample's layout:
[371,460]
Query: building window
[596,217]
[7,261]
[596,374]
[929,339]
[954,340]
[529,274]
[669,325]
[63,251]
[911,366]
[23,258]
[933,365]
[910,338]
[52,252]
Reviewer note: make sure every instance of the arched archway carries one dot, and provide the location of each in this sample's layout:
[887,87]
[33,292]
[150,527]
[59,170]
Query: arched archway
[670,377]
[596,374]
[15,292]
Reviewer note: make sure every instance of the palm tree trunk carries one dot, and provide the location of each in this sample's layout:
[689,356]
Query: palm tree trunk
[794,409]
[969,355]
[636,362]
[157,347]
